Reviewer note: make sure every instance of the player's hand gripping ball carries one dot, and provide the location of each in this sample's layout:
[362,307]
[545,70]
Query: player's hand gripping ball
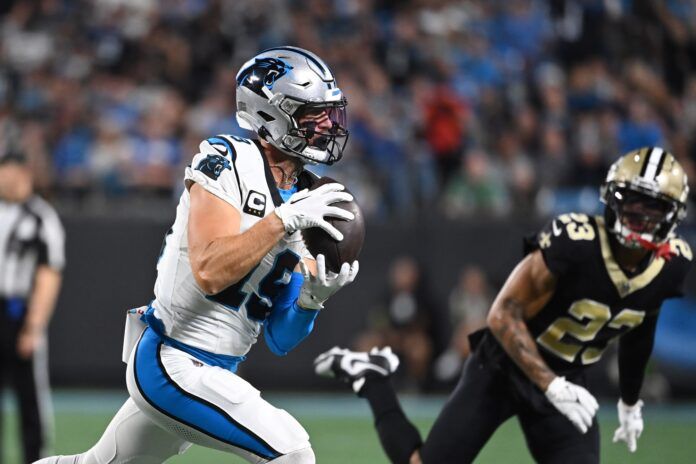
[347,250]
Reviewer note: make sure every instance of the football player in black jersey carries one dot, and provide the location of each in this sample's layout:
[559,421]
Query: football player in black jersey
[583,282]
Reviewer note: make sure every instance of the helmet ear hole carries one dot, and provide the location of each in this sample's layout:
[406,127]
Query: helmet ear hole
[266,117]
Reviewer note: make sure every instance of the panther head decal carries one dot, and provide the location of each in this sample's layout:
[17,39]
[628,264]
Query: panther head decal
[213,165]
[264,72]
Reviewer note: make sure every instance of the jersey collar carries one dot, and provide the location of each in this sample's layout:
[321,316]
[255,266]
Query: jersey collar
[270,181]
[624,285]
[305,178]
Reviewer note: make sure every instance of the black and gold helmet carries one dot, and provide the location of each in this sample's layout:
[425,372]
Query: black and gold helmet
[645,192]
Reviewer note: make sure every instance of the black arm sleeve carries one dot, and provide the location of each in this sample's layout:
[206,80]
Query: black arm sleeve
[678,271]
[634,351]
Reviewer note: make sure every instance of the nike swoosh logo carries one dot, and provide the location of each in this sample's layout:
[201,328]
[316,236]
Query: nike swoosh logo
[354,366]
[556,230]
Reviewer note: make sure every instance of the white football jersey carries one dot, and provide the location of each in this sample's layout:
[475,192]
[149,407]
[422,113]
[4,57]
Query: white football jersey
[234,170]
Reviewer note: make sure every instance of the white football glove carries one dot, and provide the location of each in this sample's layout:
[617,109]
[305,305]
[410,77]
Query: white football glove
[317,289]
[308,208]
[573,401]
[630,424]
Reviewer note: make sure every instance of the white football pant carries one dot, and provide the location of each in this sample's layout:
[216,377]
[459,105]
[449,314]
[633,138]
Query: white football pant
[176,400]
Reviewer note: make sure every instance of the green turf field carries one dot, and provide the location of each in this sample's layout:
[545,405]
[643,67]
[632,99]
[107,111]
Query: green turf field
[341,431]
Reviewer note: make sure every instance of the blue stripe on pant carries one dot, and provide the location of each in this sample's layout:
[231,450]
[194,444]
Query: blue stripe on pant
[163,394]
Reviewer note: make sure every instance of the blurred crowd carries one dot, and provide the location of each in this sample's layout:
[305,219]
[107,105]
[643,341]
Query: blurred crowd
[429,333]
[466,107]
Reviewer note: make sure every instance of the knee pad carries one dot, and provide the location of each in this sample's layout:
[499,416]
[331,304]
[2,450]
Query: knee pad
[301,456]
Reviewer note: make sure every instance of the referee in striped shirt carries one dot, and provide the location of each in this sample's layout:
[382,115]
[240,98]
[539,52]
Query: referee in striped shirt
[31,259]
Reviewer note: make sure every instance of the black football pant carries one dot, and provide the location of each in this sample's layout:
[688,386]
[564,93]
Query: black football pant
[485,398]
[22,375]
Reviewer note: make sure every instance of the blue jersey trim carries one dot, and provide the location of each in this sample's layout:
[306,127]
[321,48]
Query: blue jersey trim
[225,361]
[223,141]
[286,194]
[170,399]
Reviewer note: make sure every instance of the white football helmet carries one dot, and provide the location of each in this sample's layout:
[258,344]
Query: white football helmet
[281,94]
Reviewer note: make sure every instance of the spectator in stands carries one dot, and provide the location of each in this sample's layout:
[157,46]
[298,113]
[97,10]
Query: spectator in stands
[408,319]
[640,128]
[553,163]
[445,126]
[502,71]
[469,302]
[477,187]
[518,171]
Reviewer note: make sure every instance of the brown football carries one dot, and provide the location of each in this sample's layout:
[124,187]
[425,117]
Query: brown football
[347,250]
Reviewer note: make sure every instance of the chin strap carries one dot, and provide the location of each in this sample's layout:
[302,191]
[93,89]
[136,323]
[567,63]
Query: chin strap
[663,250]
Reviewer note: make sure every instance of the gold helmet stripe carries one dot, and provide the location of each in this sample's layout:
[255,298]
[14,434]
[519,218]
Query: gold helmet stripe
[652,164]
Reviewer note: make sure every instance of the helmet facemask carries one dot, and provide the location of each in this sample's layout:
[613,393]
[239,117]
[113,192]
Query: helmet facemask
[318,131]
[637,216]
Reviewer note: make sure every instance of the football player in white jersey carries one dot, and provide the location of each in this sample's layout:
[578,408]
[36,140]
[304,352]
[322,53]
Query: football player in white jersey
[234,262]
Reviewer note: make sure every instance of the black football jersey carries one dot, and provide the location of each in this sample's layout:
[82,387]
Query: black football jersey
[595,301]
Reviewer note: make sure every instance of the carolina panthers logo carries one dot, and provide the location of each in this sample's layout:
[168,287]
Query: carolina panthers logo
[213,165]
[264,72]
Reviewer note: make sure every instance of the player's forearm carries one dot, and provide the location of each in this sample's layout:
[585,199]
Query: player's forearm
[635,348]
[507,325]
[43,298]
[226,260]
[632,372]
